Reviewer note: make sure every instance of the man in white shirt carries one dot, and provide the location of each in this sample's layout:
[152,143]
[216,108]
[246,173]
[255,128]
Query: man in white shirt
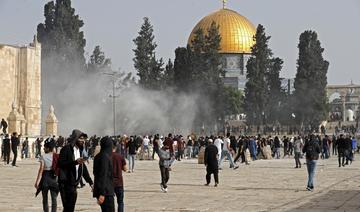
[227,152]
[218,141]
[145,147]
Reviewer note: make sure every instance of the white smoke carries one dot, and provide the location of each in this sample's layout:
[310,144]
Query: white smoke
[81,101]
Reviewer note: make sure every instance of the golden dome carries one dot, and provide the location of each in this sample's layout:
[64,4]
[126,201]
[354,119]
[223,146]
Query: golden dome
[236,31]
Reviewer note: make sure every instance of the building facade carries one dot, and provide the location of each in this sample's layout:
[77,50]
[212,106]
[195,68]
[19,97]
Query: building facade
[20,93]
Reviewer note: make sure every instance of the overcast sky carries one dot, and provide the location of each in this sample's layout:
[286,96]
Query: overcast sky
[113,24]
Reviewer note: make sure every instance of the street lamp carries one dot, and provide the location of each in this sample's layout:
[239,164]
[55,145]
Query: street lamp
[113,96]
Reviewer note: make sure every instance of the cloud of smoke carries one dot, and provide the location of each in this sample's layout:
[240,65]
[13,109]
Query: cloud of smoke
[81,100]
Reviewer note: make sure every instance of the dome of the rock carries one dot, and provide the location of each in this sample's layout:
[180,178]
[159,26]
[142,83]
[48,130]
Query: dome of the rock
[236,31]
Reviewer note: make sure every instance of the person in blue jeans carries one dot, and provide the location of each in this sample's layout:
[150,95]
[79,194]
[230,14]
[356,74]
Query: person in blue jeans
[119,166]
[226,152]
[131,145]
[312,150]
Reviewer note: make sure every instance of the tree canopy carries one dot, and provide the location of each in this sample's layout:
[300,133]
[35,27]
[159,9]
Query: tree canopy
[310,82]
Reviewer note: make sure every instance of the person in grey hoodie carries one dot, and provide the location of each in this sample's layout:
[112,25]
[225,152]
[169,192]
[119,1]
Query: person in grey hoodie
[297,150]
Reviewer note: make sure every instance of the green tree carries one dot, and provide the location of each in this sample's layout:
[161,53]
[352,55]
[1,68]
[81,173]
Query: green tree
[310,82]
[149,69]
[98,61]
[276,95]
[264,96]
[61,36]
[168,78]
[256,88]
[233,101]
[206,75]
[183,76]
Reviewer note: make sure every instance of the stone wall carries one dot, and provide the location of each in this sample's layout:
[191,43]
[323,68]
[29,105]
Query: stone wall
[20,76]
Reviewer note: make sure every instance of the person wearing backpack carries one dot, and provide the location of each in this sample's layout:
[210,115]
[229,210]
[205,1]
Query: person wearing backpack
[47,176]
[312,150]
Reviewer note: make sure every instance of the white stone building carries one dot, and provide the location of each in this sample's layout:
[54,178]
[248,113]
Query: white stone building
[20,87]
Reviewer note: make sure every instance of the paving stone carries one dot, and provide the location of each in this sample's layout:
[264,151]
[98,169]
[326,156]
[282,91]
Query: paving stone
[264,185]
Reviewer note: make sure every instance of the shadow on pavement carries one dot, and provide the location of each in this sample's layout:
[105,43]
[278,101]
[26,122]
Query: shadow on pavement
[333,200]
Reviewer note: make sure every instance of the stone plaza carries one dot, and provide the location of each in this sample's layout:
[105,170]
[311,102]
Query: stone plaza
[264,185]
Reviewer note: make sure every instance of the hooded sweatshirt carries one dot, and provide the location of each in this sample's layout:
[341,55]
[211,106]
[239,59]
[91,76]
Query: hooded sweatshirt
[103,169]
[69,174]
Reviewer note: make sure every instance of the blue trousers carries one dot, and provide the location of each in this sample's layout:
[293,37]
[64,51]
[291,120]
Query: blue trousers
[311,167]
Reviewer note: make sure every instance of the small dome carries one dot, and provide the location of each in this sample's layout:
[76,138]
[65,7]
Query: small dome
[236,31]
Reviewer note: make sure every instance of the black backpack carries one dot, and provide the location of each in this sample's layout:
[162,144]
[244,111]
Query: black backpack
[311,152]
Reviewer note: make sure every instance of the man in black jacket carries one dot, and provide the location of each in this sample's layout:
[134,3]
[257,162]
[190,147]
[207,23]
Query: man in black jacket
[3,125]
[211,163]
[14,145]
[6,149]
[72,170]
[341,150]
[103,176]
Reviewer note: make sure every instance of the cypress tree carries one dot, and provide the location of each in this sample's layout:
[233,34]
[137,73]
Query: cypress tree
[310,82]
[183,76]
[276,99]
[149,69]
[256,89]
[98,61]
[61,37]
[263,93]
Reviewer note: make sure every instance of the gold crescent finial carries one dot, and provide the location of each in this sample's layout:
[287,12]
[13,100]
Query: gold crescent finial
[224,3]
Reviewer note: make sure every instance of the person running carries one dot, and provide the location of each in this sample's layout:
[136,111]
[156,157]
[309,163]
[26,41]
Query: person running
[226,153]
[312,150]
[47,177]
[103,176]
[211,163]
[119,165]
[166,156]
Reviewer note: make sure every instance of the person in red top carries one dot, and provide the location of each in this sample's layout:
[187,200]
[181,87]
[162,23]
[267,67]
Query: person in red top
[119,165]
[169,143]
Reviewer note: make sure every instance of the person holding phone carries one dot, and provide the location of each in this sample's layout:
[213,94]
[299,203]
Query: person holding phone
[72,169]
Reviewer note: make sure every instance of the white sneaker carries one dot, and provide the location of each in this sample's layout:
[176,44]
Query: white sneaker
[165,190]
[162,188]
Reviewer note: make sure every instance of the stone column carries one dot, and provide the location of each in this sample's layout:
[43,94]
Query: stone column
[51,122]
[22,122]
[344,108]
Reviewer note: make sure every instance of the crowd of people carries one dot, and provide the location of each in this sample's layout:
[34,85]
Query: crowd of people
[63,165]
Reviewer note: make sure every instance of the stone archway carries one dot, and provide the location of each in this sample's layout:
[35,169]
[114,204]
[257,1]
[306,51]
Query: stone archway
[342,98]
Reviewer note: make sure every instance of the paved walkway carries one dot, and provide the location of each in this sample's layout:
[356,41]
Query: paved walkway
[272,185]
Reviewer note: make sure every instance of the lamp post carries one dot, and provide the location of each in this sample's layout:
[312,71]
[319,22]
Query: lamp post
[113,96]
